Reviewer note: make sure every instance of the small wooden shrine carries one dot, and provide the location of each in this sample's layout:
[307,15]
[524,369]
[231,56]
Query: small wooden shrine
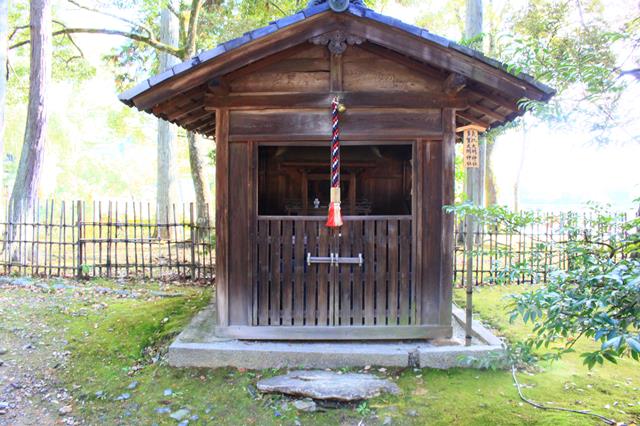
[265,98]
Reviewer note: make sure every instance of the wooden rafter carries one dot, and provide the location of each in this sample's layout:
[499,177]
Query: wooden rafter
[488,112]
[473,120]
[185,111]
[195,119]
[511,105]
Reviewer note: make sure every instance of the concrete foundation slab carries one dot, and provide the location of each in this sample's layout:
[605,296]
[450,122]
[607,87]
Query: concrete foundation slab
[197,346]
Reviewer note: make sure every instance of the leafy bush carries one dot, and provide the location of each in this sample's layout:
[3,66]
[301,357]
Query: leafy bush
[518,354]
[595,295]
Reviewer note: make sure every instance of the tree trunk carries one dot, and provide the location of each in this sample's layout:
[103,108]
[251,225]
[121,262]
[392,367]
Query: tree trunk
[473,24]
[200,181]
[25,188]
[491,191]
[167,132]
[523,153]
[196,158]
[473,28]
[4,34]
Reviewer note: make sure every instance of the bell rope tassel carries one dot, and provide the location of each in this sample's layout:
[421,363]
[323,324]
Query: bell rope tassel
[335,218]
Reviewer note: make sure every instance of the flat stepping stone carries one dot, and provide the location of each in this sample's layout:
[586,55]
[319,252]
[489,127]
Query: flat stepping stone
[318,384]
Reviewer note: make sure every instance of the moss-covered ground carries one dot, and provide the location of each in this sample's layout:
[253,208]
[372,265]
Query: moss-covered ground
[116,339]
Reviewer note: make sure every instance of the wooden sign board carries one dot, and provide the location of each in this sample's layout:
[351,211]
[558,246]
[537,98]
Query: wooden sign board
[470,149]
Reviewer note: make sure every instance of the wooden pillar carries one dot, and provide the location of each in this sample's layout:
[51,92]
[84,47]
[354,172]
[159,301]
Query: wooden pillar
[434,188]
[222,215]
[240,226]
[429,229]
[448,198]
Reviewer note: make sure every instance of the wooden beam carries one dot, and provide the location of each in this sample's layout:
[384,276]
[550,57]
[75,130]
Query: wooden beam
[359,332]
[185,111]
[473,120]
[203,125]
[322,100]
[208,132]
[355,139]
[284,123]
[454,83]
[486,94]
[488,112]
[219,86]
[195,119]
[176,103]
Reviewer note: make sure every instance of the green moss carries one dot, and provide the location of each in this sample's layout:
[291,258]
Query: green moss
[114,341]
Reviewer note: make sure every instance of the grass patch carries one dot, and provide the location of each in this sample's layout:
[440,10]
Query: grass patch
[115,341]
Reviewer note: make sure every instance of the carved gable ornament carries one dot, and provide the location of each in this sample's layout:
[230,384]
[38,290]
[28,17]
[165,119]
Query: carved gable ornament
[337,41]
[360,3]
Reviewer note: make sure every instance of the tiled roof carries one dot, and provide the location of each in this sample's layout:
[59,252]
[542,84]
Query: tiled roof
[354,9]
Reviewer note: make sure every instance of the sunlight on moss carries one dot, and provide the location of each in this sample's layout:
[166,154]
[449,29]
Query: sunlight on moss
[114,342]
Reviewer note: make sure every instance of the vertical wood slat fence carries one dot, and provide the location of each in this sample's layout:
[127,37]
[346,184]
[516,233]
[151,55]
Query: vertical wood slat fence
[289,291]
[107,239]
[525,255]
[123,239]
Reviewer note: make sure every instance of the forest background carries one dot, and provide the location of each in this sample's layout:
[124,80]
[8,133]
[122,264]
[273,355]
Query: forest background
[585,146]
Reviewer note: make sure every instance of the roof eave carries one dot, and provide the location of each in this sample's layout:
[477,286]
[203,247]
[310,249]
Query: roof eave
[128,96]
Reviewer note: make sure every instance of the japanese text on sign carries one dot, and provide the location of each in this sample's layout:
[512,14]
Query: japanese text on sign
[470,149]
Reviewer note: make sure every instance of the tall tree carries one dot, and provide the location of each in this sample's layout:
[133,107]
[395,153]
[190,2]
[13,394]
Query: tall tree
[473,36]
[167,132]
[4,34]
[473,21]
[196,156]
[25,188]
[220,20]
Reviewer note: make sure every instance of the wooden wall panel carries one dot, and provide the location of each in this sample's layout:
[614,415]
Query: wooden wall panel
[284,81]
[365,71]
[305,71]
[240,224]
[377,124]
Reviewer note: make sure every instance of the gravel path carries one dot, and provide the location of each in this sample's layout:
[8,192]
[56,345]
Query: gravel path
[30,355]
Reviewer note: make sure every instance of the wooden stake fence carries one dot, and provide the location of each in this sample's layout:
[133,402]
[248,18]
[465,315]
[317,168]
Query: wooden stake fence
[523,256]
[122,239]
[107,239]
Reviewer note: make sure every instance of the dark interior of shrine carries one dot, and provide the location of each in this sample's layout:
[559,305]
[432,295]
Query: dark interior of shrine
[374,180]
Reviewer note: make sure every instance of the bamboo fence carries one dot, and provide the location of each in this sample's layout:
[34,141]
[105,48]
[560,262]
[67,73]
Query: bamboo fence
[107,239]
[528,254]
[115,239]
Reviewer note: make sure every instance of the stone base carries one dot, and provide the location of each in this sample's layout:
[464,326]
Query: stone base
[197,346]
